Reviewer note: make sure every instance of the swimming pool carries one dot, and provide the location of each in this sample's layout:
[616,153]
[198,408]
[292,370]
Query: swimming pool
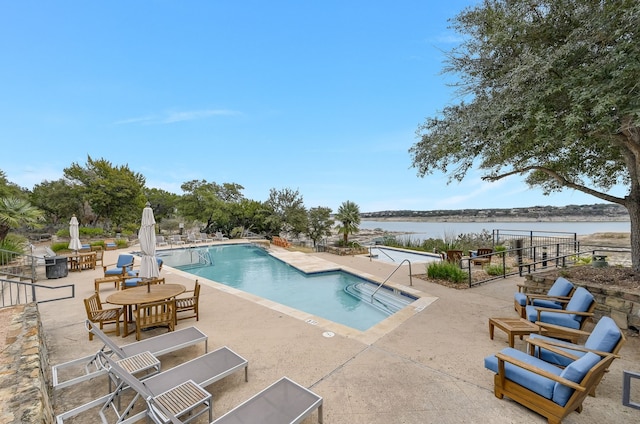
[393,255]
[251,269]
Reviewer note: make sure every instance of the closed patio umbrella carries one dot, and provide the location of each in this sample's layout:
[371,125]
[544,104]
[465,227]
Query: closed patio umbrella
[74,232]
[147,237]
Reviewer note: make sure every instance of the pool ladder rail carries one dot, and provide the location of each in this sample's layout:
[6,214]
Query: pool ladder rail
[393,272]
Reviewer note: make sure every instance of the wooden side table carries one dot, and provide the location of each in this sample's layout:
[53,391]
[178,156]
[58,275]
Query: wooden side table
[115,279]
[513,327]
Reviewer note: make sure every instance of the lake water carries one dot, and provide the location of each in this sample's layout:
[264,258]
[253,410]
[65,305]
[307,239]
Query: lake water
[425,230]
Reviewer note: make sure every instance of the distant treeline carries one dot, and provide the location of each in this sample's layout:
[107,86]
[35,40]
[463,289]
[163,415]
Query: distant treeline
[598,210]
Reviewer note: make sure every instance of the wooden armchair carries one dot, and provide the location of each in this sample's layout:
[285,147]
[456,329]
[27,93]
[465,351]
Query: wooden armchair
[483,256]
[156,314]
[454,256]
[121,267]
[188,303]
[97,314]
[551,391]
[138,281]
[576,314]
[556,297]
[605,338]
[110,244]
[99,254]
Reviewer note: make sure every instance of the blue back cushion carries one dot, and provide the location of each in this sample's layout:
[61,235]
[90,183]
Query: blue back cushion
[562,287]
[555,358]
[605,336]
[580,302]
[575,372]
[532,381]
[124,260]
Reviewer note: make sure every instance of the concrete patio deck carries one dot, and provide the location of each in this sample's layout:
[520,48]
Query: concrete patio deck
[424,365]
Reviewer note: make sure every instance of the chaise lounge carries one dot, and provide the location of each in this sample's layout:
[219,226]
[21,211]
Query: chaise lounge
[168,394]
[158,346]
[283,402]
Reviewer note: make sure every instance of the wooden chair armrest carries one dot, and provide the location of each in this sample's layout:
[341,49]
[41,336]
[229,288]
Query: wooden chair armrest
[562,311]
[502,358]
[551,346]
[567,330]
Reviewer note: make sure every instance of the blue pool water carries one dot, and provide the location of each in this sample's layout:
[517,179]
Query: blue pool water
[387,254]
[251,269]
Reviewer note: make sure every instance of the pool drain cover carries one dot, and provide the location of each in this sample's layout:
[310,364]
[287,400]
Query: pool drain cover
[328,334]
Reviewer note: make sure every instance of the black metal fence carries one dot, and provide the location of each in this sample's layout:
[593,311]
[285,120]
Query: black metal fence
[537,245]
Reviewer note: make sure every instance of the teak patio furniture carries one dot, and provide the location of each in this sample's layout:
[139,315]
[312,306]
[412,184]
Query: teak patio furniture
[96,313]
[551,391]
[143,294]
[556,297]
[513,327]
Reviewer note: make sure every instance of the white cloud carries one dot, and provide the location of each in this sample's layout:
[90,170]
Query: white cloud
[179,116]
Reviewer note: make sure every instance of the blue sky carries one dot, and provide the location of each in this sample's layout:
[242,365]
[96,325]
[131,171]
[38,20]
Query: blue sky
[323,97]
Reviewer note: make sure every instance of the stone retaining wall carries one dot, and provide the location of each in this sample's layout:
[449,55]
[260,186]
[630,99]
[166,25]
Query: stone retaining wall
[622,306]
[24,365]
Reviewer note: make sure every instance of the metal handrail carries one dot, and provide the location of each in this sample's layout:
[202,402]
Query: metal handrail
[393,272]
[381,251]
[6,290]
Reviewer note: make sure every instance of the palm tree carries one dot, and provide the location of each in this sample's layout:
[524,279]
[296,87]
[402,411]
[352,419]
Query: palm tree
[349,215]
[15,212]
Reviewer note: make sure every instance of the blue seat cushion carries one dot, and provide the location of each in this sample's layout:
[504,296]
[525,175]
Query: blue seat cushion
[605,336]
[521,298]
[575,372]
[532,381]
[113,271]
[557,318]
[132,282]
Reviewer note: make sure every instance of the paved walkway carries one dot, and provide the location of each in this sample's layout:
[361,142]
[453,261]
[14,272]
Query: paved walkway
[424,365]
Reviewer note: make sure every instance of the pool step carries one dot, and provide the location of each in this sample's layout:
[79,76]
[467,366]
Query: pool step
[385,299]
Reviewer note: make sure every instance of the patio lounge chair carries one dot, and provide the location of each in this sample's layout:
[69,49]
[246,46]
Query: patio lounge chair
[160,241]
[123,266]
[110,244]
[578,310]
[483,256]
[184,383]
[549,390]
[285,401]
[175,239]
[158,346]
[557,296]
[606,338]
[192,238]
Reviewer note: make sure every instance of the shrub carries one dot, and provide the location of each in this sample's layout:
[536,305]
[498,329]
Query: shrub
[446,271]
[495,270]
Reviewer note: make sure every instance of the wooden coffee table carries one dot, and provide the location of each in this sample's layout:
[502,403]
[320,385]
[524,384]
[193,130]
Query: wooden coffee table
[513,327]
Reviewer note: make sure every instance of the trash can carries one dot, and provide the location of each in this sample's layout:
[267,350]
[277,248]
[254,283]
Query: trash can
[56,267]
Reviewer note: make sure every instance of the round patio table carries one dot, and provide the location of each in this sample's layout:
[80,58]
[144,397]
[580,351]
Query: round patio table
[143,294]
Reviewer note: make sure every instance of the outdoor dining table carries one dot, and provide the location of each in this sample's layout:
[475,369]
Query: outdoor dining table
[143,294]
[79,261]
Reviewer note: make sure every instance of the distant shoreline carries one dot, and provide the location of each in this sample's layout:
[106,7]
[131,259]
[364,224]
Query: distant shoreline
[566,218]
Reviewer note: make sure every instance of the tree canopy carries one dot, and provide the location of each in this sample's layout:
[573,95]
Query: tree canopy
[549,90]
